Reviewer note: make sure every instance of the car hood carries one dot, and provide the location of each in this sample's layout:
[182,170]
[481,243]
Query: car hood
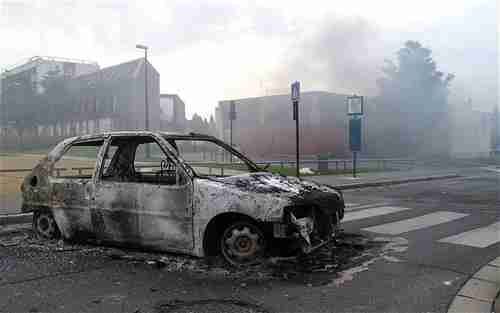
[264,182]
[263,195]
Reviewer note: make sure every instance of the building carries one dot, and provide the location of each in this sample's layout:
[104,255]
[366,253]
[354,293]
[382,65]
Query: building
[471,134]
[173,113]
[112,98]
[264,126]
[27,77]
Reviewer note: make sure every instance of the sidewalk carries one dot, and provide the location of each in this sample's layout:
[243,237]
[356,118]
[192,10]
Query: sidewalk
[383,178]
[481,292]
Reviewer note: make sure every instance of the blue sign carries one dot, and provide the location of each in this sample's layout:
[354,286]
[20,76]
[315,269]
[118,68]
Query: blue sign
[355,133]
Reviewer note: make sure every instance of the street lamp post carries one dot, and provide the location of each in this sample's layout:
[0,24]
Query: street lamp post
[145,48]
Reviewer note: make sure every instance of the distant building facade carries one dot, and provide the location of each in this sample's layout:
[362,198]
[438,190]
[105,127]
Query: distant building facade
[32,72]
[264,126]
[112,98]
[471,133]
[173,113]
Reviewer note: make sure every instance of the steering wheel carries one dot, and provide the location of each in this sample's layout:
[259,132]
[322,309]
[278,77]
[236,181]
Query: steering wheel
[163,166]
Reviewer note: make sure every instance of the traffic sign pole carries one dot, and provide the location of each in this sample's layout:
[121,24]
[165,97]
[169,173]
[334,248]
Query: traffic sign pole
[355,111]
[354,164]
[296,115]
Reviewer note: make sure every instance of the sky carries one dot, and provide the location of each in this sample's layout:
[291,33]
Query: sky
[212,50]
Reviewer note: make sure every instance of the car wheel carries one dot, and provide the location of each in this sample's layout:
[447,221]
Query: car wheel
[242,243]
[45,225]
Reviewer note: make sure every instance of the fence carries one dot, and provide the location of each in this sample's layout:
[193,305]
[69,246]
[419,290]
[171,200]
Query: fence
[338,165]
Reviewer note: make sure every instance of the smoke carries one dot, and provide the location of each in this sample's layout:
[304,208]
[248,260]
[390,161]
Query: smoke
[341,55]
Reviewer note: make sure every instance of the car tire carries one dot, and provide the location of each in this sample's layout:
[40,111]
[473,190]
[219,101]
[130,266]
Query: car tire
[45,225]
[243,243]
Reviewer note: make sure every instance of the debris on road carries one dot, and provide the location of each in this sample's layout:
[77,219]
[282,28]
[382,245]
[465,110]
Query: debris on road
[332,264]
[13,240]
[210,305]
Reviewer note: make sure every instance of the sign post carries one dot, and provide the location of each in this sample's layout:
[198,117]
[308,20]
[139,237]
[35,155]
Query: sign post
[295,103]
[355,111]
[232,117]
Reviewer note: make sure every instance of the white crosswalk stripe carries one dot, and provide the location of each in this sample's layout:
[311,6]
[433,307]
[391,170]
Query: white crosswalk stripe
[355,206]
[416,223]
[356,215]
[480,237]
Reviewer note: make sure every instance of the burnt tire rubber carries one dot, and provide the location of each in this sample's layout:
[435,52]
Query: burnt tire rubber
[45,225]
[243,243]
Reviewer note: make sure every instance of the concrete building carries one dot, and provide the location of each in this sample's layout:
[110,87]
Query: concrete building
[31,73]
[264,127]
[112,98]
[471,134]
[173,113]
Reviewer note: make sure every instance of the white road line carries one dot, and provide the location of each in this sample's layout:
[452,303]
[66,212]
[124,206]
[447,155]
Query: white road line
[491,169]
[412,224]
[365,206]
[350,205]
[356,215]
[479,237]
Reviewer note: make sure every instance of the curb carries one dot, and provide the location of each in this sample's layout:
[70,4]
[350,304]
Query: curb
[7,219]
[478,294]
[14,228]
[394,182]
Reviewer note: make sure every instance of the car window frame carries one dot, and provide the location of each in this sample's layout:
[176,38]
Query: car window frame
[252,165]
[161,143]
[72,143]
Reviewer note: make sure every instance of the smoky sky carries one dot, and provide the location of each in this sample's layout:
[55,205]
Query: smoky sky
[337,54]
[208,51]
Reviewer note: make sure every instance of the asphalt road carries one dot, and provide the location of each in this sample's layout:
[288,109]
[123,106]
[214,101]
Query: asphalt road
[408,269]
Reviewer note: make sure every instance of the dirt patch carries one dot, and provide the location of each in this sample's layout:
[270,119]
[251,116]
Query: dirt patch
[10,183]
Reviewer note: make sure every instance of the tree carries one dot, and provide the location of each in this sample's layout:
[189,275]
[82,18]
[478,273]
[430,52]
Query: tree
[20,104]
[212,126]
[413,101]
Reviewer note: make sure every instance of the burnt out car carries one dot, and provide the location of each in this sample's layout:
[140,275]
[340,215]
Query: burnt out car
[188,193]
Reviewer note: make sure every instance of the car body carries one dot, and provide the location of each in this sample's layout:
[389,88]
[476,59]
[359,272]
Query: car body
[144,189]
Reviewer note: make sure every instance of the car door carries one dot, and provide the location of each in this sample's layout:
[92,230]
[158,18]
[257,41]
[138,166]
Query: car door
[71,181]
[165,199]
[114,203]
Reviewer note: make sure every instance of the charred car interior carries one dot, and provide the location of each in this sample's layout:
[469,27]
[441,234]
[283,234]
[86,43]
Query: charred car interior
[188,193]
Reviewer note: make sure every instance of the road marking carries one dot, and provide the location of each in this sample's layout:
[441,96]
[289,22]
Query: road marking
[365,206]
[491,169]
[416,223]
[356,215]
[479,237]
[350,205]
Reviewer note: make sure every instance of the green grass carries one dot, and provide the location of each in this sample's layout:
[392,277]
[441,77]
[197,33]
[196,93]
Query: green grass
[291,171]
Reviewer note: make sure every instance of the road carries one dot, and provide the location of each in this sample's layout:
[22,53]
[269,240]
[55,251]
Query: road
[435,235]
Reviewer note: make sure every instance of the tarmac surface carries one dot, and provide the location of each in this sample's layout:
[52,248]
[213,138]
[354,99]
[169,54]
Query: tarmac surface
[408,248]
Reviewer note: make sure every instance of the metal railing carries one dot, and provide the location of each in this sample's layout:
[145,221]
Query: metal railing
[319,165]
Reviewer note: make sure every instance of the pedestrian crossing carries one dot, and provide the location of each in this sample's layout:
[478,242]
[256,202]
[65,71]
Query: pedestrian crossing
[481,237]
[416,223]
[357,215]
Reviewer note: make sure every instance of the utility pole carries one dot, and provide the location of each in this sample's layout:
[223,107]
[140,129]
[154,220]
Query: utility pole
[295,102]
[146,124]
[232,116]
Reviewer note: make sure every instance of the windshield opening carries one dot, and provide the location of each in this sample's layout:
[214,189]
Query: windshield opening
[209,158]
